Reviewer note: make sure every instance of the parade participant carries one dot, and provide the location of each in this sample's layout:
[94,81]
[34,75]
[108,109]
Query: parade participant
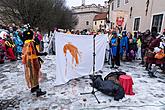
[132,47]
[114,44]
[31,60]
[18,43]
[9,48]
[124,45]
[77,32]
[68,32]
[162,45]
[37,40]
[46,43]
[135,42]
[160,55]
[152,42]
[139,43]
[118,51]
[144,44]
[2,50]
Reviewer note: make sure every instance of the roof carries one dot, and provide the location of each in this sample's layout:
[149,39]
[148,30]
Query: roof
[88,6]
[101,16]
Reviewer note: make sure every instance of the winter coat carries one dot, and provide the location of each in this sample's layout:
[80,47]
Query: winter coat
[18,42]
[109,88]
[150,54]
[124,44]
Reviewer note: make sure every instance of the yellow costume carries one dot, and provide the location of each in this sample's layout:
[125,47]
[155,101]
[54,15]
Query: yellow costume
[31,62]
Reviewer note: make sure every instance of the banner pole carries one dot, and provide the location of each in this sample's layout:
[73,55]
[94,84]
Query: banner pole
[94,58]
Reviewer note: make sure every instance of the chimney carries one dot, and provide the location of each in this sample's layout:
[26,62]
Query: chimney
[83,2]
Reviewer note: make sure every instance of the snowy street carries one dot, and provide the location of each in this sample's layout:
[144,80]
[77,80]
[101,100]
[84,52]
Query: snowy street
[14,94]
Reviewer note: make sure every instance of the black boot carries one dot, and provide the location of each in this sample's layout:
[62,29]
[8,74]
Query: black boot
[152,75]
[113,65]
[40,93]
[34,89]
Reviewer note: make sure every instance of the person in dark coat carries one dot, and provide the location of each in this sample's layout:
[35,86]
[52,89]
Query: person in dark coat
[109,88]
[152,42]
[132,47]
[118,52]
[144,44]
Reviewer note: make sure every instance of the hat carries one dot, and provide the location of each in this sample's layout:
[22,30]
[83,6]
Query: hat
[3,34]
[28,34]
[124,33]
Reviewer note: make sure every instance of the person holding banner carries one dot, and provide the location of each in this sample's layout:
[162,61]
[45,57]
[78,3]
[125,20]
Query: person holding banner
[32,64]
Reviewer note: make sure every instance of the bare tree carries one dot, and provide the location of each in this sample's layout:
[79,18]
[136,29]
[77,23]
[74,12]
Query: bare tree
[45,14]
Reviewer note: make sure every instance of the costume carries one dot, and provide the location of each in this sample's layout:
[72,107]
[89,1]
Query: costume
[18,43]
[31,61]
[2,50]
[132,49]
[139,43]
[114,45]
[9,48]
[46,43]
[124,44]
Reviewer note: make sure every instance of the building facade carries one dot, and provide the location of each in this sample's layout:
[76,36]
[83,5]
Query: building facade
[137,15]
[100,21]
[86,14]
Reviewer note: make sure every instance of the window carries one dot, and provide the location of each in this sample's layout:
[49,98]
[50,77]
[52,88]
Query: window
[87,22]
[112,6]
[136,24]
[157,21]
[126,1]
[118,3]
[95,23]
[101,21]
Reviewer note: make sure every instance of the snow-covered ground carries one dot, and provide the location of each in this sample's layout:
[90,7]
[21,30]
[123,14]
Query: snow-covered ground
[149,92]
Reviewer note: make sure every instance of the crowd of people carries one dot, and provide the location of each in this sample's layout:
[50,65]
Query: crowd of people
[12,39]
[126,46]
[147,47]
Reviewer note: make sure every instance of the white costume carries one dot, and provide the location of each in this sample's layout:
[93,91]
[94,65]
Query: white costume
[46,43]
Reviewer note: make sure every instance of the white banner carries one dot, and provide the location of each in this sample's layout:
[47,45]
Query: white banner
[74,55]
